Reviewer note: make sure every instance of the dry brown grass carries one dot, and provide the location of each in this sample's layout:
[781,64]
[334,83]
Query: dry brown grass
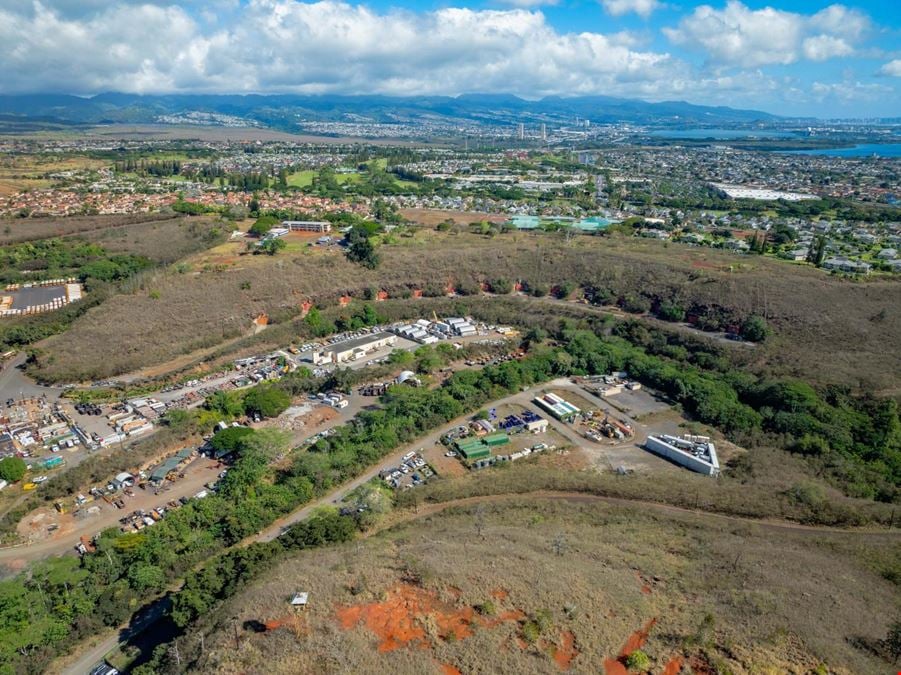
[431,217]
[827,329]
[163,241]
[777,600]
[15,230]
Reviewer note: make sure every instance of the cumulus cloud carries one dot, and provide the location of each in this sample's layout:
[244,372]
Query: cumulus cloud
[319,47]
[823,47]
[892,68]
[739,36]
[330,46]
[643,8]
[849,91]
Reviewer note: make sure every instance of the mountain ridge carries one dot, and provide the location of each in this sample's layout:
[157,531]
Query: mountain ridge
[284,111]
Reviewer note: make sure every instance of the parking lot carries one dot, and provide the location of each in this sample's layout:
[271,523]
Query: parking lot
[411,471]
[636,403]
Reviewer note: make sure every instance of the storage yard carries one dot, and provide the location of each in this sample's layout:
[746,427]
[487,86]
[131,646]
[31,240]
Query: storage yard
[412,471]
[517,427]
[40,433]
[45,296]
[57,528]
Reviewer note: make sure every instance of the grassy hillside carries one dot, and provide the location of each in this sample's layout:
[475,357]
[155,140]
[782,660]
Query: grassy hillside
[15,230]
[827,329]
[532,584]
[112,257]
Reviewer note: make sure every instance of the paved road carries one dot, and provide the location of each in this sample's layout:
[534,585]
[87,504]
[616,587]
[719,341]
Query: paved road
[14,383]
[86,662]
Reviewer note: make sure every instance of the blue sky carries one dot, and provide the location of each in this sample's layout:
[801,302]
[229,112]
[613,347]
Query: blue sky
[787,57]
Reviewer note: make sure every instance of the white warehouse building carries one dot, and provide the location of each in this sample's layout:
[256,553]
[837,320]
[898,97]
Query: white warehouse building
[351,350]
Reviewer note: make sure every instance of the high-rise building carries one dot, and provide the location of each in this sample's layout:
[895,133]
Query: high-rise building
[522,131]
[543,131]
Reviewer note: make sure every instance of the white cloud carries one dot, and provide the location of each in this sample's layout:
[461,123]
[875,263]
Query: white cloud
[739,36]
[849,91]
[839,20]
[289,46]
[892,68]
[328,46]
[823,47]
[643,8]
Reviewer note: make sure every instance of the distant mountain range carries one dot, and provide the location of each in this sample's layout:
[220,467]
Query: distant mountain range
[285,111]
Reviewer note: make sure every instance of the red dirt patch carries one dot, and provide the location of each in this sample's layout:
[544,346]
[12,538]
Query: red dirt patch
[636,641]
[673,666]
[294,622]
[448,669]
[499,594]
[566,651]
[700,666]
[398,620]
[645,584]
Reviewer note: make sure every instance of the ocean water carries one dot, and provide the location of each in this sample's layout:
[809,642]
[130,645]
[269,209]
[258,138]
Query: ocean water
[863,150]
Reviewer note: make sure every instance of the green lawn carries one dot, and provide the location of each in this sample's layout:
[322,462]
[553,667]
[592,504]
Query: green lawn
[301,178]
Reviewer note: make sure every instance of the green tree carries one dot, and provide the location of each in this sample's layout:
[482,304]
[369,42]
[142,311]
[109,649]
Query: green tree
[754,328]
[362,251]
[226,403]
[272,245]
[501,286]
[670,311]
[262,225]
[269,442]
[232,439]
[266,400]
[817,253]
[893,640]
[12,469]
[144,578]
